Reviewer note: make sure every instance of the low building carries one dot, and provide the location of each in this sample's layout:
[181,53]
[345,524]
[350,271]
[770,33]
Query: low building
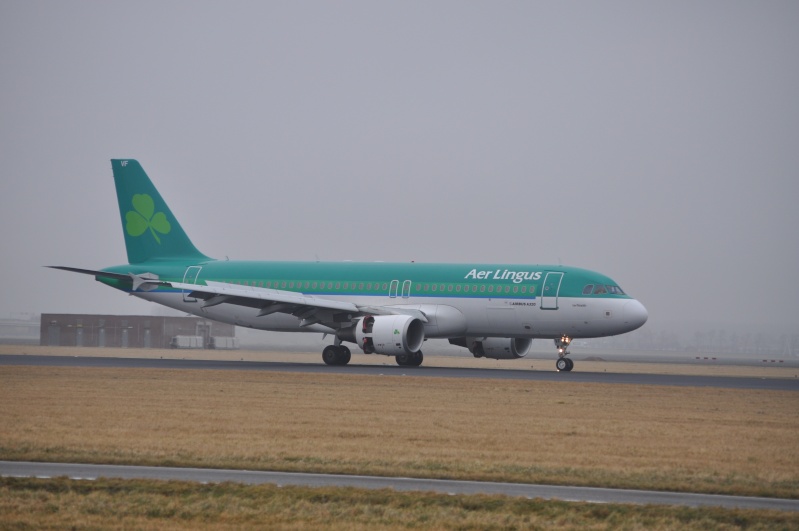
[20,331]
[130,331]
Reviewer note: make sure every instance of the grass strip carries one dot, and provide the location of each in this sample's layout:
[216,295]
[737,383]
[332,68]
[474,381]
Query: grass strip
[123,504]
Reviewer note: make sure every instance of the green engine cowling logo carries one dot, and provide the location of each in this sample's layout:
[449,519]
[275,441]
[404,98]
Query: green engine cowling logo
[143,217]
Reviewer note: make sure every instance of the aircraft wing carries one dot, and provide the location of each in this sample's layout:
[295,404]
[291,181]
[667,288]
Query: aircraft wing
[309,309]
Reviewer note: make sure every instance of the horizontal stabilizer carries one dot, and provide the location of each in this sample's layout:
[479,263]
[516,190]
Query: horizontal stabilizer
[137,280]
[104,274]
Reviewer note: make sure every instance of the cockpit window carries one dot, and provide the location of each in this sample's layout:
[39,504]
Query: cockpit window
[615,290]
[588,289]
[599,289]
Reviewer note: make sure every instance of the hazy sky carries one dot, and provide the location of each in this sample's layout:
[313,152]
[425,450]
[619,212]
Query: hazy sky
[656,142]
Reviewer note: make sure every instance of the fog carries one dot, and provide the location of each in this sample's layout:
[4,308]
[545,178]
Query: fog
[655,142]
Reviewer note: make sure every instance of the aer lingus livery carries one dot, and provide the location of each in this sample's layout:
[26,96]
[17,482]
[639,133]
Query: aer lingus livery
[494,310]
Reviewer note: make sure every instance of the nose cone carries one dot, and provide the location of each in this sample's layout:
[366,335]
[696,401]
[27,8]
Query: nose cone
[635,315]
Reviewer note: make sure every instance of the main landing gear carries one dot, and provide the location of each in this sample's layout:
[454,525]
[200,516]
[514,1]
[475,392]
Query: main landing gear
[563,364]
[339,355]
[336,355]
[410,360]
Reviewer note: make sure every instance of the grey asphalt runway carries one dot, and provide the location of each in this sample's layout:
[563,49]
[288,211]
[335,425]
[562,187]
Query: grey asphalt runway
[547,492]
[730,382]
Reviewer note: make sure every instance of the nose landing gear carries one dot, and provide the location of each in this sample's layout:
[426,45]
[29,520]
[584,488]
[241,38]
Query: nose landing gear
[563,364]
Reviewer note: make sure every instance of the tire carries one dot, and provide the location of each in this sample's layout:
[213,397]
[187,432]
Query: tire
[562,364]
[330,355]
[344,355]
[410,360]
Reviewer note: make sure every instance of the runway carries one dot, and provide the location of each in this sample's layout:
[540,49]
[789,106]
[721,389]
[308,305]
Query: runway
[546,492]
[728,382]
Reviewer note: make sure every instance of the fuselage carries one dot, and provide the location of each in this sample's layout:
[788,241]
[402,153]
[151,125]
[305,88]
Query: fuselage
[478,300]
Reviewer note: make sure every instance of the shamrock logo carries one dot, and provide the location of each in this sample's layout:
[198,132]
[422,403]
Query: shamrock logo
[143,218]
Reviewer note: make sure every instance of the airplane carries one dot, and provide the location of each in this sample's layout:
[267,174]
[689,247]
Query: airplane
[493,310]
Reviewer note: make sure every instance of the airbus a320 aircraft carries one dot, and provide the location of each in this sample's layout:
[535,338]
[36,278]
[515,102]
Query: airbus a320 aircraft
[494,310]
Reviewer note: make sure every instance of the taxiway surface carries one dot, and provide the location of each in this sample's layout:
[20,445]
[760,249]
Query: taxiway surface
[729,382]
[546,492]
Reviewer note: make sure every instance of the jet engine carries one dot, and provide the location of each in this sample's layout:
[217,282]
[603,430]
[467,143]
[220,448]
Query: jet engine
[495,347]
[391,335]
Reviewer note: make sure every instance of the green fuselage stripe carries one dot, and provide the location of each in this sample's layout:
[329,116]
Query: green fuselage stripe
[375,279]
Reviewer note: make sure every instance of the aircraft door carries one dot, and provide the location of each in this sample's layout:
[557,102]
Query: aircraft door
[392,290]
[549,294]
[406,289]
[190,277]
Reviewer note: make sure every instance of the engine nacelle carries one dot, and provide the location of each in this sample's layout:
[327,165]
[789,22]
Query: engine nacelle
[495,347]
[391,335]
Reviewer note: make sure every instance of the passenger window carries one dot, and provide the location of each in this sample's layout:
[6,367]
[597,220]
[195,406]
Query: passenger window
[515,289]
[474,289]
[435,287]
[482,288]
[588,289]
[524,289]
[338,285]
[491,289]
[507,289]
[458,288]
[599,290]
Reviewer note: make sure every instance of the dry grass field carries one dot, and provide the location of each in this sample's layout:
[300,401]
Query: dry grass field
[690,439]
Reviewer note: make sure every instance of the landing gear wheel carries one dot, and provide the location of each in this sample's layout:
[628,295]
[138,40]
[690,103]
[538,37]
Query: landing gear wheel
[336,355]
[564,364]
[330,355]
[410,360]
[345,355]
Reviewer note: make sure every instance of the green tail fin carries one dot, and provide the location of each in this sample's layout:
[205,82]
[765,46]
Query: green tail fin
[151,230]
